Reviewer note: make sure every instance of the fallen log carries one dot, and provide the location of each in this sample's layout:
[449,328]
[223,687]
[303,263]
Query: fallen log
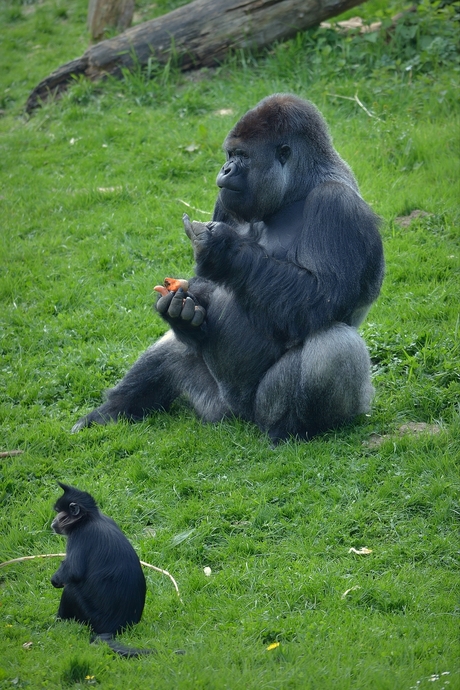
[113,14]
[196,35]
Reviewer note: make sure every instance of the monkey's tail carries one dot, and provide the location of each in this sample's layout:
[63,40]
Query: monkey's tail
[122,650]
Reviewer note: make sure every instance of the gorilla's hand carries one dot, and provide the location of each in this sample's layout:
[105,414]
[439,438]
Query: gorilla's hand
[198,233]
[180,306]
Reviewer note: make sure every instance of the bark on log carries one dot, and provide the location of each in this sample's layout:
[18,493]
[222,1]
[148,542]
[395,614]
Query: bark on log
[199,34]
[109,14]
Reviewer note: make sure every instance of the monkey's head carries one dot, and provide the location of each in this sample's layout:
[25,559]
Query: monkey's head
[73,508]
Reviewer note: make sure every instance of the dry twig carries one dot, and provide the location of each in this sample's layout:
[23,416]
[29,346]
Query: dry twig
[29,558]
[62,555]
[356,100]
[165,572]
[194,208]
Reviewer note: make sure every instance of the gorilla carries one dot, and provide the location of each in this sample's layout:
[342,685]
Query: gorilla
[285,272]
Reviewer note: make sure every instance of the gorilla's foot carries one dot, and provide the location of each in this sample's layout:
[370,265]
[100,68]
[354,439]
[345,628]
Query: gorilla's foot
[97,416]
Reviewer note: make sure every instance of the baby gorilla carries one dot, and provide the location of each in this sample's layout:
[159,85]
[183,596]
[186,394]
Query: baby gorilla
[104,586]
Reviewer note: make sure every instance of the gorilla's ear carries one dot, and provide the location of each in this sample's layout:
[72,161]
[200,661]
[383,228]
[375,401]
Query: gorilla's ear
[283,151]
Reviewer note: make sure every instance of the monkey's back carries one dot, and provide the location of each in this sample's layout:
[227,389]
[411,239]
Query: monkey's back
[112,589]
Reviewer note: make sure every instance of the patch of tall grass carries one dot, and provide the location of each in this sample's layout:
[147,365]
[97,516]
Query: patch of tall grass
[92,190]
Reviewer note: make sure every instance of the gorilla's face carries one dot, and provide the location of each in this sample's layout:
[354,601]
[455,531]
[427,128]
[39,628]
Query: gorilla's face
[233,181]
[254,179]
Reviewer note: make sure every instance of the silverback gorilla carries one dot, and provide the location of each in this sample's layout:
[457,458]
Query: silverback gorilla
[285,272]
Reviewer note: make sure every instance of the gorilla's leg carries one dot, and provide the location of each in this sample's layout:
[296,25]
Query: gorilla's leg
[165,371]
[317,386]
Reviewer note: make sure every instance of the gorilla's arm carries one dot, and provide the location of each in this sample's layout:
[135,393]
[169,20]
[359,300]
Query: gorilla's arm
[334,266]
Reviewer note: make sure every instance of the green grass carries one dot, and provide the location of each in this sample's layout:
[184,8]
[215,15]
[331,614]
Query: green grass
[91,198]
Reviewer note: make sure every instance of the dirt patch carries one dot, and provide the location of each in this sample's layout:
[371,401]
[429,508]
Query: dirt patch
[412,428]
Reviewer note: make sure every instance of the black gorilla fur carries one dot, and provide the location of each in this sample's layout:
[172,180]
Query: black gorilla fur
[285,273]
[104,586]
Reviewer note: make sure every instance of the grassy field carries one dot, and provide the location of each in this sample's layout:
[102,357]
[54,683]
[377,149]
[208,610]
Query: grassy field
[92,192]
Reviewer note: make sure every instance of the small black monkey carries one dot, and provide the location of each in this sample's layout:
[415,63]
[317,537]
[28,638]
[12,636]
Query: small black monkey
[104,586]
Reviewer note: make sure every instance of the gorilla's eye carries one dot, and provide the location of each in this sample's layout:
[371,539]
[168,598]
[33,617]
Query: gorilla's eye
[237,153]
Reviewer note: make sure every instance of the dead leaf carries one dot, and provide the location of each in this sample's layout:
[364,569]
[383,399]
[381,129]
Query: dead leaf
[356,23]
[351,25]
[363,551]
